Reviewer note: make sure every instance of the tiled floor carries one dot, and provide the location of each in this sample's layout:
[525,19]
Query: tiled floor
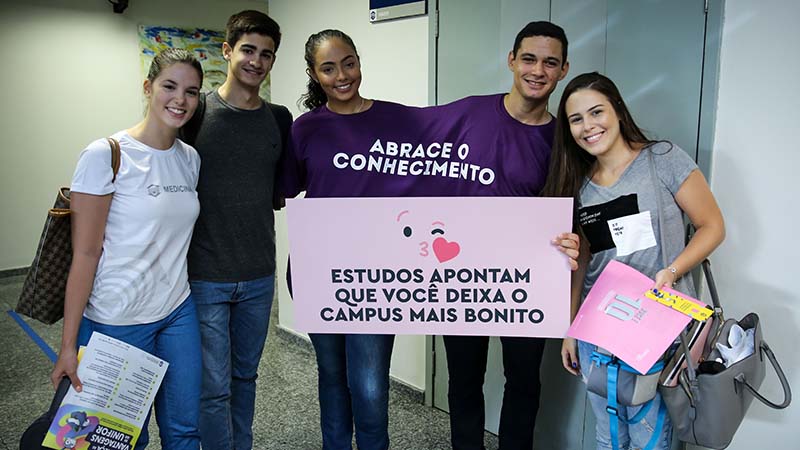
[287,410]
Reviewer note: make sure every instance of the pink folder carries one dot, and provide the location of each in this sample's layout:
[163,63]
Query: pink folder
[619,318]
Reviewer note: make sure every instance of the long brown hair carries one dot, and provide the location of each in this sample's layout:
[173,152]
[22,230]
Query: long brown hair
[569,163]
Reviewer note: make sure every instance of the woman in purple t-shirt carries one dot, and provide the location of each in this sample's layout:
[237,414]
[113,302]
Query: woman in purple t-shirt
[353,368]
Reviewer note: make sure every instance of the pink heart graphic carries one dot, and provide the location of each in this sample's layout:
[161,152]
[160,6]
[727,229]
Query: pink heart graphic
[445,251]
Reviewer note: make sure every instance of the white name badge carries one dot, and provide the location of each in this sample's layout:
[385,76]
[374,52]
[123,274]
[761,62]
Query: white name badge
[632,233]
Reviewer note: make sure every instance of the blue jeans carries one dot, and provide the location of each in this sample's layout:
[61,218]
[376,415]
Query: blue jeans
[634,436]
[354,389]
[234,318]
[175,339]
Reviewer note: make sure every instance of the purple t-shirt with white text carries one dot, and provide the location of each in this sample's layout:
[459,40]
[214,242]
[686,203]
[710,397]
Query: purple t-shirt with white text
[471,147]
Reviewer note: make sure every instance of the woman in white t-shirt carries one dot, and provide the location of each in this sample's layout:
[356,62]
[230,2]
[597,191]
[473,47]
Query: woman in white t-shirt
[130,235]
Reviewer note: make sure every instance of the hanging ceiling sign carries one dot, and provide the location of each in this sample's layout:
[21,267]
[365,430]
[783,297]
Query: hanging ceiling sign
[380,10]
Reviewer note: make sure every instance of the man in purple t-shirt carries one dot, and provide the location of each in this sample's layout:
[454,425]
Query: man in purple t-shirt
[538,61]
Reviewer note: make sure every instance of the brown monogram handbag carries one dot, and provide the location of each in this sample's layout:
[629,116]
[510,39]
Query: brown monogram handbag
[42,296]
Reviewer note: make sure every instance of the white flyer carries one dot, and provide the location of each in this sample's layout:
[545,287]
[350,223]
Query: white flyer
[120,382]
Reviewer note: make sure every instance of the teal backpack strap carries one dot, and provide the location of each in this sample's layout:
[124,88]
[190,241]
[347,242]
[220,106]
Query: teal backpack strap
[657,367]
[613,366]
[612,408]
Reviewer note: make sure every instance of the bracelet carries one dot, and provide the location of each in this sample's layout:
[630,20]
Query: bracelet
[673,271]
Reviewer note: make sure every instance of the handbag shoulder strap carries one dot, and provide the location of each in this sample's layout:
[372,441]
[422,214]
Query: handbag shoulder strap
[706,264]
[684,345]
[115,157]
[690,364]
[659,205]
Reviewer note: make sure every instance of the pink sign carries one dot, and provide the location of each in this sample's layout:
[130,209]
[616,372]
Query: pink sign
[462,266]
[619,318]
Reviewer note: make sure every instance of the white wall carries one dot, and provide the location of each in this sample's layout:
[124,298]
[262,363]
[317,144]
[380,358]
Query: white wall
[71,74]
[394,60]
[754,177]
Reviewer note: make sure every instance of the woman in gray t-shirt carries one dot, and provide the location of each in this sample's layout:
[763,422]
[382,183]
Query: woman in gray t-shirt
[602,158]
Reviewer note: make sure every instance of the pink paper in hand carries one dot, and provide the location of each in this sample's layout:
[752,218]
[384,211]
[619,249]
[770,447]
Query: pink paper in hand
[618,317]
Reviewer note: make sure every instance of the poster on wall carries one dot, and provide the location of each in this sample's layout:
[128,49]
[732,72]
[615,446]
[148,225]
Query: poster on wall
[380,10]
[455,265]
[206,45]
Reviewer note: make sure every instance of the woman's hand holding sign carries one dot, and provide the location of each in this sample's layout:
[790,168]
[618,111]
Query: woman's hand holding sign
[569,244]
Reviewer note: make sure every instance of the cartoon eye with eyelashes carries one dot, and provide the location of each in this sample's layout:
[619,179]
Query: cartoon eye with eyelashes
[438,230]
[443,249]
[407,230]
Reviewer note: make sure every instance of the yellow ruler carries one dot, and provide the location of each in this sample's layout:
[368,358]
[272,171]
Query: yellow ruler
[692,309]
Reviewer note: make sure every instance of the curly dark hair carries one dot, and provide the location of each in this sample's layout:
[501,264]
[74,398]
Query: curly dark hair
[314,95]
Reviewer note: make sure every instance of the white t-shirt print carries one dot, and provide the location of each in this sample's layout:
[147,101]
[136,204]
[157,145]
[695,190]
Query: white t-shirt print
[142,275]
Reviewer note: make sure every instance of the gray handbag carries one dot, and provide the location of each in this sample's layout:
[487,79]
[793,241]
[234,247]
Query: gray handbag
[708,405]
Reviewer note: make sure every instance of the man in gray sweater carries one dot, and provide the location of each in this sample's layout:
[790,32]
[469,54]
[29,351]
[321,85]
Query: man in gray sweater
[232,254]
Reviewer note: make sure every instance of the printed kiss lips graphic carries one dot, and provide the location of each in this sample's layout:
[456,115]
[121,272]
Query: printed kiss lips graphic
[444,250]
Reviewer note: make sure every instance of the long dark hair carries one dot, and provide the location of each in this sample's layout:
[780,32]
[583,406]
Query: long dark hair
[314,95]
[570,164]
